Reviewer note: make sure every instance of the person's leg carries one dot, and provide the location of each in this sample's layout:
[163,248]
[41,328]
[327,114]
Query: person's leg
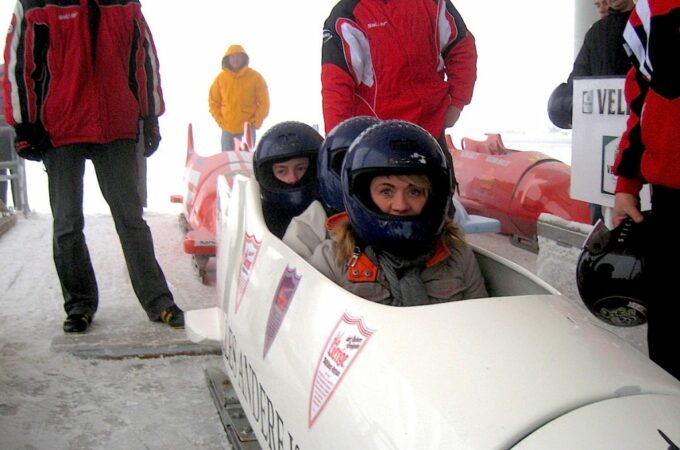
[6,148]
[116,167]
[3,187]
[663,333]
[595,213]
[253,136]
[141,167]
[228,140]
[449,159]
[65,169]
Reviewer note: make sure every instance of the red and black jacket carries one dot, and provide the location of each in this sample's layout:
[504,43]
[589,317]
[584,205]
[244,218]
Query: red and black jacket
[396,59]
[86,69]
[649,151]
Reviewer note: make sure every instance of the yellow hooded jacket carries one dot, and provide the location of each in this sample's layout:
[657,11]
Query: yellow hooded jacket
[238,97]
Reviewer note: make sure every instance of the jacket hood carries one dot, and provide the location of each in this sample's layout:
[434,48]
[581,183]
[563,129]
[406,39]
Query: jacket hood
[232,50]
[235,49]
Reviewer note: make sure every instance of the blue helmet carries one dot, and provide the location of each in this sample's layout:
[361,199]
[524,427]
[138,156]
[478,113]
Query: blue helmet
[332,154]
[280,143]
[396,147]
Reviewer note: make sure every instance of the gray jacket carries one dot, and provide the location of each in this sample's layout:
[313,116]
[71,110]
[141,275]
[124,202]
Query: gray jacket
[454,276]
[306,231]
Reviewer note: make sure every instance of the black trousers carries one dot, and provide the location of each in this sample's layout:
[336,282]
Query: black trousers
[6,149]
[663,332]
[449,158]
[116,168]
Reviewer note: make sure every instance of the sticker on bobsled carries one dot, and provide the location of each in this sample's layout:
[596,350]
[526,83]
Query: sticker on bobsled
[487,180]
[497,161]
[191,177]
[341,350]
[251,247]
[282,300]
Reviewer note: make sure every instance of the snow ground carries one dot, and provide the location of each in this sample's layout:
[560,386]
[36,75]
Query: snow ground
[51,399]
[88,392]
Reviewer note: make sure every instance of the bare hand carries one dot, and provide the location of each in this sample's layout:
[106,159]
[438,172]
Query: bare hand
[452,115]
[626,205]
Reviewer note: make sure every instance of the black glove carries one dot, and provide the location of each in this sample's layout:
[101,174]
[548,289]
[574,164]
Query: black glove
[31,141]
[152,135]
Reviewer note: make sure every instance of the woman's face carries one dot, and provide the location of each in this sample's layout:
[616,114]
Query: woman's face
[292,170]
[397,196]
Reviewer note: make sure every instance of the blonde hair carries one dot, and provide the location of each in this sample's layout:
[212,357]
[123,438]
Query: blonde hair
[419,181]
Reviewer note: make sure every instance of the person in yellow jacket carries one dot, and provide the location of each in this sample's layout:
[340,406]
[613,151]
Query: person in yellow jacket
[238,95]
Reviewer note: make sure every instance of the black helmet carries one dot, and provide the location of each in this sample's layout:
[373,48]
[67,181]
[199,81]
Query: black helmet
[610,271]
[395,147]
[280,143]
[560,106]
[282,201]
[332,154]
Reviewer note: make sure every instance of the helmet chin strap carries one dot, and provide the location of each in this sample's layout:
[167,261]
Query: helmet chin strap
[412,249]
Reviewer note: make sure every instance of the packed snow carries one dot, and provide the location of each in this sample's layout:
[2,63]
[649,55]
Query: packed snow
[53,399]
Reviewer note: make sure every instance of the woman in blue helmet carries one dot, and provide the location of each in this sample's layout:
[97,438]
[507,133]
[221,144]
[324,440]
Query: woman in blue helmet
[308,230]
[399,247]
[285,167]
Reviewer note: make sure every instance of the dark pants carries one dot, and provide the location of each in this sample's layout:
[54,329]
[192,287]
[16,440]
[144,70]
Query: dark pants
[116,168]
[449,159]
[595,213]
[663,333]
[227,140]
[6,149]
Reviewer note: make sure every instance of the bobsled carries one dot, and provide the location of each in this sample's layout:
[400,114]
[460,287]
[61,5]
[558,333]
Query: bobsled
[308,365]
[198,216]
[514,186]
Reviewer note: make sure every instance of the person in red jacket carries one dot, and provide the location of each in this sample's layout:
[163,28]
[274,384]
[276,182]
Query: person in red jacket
[412,60]
[79,76]
[649,152]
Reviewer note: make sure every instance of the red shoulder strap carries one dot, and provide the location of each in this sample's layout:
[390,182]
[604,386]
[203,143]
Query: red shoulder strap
[362,270]
[440,254]
[335,219]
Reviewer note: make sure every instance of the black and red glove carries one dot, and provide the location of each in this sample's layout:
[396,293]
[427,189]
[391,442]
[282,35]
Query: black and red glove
[152,135]
[31,141]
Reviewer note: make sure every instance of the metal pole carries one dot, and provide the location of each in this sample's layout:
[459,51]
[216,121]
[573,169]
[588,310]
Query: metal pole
[585,15]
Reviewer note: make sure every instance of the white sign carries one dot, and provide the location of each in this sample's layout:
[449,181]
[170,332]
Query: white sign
[598,121]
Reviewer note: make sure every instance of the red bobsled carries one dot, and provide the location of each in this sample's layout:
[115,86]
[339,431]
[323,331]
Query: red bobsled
[198,218]
[513,186]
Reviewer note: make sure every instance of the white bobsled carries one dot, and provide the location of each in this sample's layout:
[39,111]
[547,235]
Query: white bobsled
[316,367]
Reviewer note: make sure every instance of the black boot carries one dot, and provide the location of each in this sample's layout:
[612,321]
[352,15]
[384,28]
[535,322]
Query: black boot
[77,323]
[173,316]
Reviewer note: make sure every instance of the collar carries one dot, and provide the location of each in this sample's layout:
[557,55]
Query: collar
[336,219]
[363,270]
